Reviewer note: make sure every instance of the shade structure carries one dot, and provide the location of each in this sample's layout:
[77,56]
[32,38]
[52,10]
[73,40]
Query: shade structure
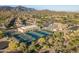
[43,33]
[33,35]
[10,33]
[18,37]
[38,34]
[30,37]
[22,38]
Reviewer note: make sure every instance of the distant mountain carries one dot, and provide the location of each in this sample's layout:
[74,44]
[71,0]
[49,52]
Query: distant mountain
[21,8]
[17,8]
[5,8]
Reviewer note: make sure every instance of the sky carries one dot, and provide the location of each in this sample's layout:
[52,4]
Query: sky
[72,8]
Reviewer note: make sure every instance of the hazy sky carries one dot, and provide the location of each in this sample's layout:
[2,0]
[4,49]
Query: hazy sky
[56,7]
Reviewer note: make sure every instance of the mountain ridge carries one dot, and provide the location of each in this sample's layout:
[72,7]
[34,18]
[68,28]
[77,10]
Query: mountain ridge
[17,8]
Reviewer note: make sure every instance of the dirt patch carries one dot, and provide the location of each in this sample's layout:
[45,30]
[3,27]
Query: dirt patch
[3,44]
